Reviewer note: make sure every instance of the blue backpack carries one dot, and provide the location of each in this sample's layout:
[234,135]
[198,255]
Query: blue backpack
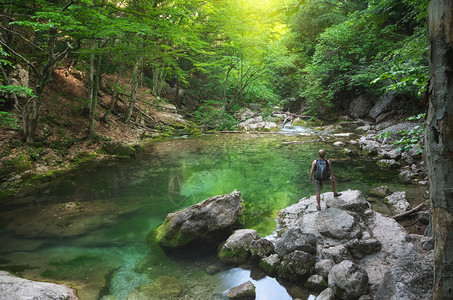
[322,170]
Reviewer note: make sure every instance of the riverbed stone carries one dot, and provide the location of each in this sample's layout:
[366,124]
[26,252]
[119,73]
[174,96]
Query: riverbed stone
[245,291]
[326,294]
[270,264]
[381,192]
[164,287]
[316,283]
[388,164]
[336,253]
[323,267]
[369,147]
[295,239]
[338,224]
[208,221]
[296,266]
[12,287]
[406,175]
[398,202]
[261,248]
[348,280]
[236,249]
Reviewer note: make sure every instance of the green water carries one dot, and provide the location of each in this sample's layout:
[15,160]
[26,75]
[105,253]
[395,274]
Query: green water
[97,242]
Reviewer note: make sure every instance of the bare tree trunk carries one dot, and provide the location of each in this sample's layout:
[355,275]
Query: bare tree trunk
[91,77]
[94,100]
[114,96]
[439,144]
[135,75]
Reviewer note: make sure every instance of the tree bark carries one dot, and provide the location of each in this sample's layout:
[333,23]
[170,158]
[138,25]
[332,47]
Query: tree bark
[133,98]
[439,143]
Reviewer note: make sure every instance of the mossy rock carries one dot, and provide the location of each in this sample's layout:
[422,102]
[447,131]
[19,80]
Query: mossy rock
[234,256]
[18,164]
[118,148]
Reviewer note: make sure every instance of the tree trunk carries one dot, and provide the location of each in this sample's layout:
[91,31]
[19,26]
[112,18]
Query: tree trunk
[94,100]
[439,143]
[91,77]
[135,75]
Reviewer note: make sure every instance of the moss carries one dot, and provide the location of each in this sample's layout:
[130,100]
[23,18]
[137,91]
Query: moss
[18,164]
[71,269]
[228,255]
[17,269]
[84,157]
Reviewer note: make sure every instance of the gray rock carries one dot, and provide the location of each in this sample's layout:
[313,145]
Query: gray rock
[351,200]
[338,144]
[410,278]
[244,291]
[381,191]
[327,294]
[388,164]
[338,224]
[200,222]
[316,283]
[257,123]
[270,264]
[369,147]
[12,287]
[348,280]
[390,154]
[261,248]
[361,248]
[383,105]
[361,106]
[398,202]
[406,176]
[237,246]
[296,266]
[323,267]
[295,239]
[336,253]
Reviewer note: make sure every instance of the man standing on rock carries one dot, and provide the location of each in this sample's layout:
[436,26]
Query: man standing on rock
[323,173]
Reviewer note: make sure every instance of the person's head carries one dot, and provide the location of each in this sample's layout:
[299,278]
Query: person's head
[321,153]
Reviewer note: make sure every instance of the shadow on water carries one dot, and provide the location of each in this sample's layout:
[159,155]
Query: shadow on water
[88,228]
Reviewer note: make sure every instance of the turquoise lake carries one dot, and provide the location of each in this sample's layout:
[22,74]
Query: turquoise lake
[88,228]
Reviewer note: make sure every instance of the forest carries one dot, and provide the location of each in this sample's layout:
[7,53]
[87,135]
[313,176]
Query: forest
[210,58]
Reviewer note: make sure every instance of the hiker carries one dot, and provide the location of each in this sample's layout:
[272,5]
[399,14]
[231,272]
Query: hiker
[323,173]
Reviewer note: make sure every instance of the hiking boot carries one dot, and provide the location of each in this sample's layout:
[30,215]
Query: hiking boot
[337,194]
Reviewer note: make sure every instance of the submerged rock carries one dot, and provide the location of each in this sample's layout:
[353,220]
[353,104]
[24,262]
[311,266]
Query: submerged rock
[244,291]
[12,287]
[208,221]
[119,148]
[269,264]
[164,287]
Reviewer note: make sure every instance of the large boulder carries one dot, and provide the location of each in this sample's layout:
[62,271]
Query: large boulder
[383,106]
[295,239]
[348,280]
[12,287]
[211,220]
[361,106]
[269,264]
[258,123]
[261,248]
[410,278]
[236,249]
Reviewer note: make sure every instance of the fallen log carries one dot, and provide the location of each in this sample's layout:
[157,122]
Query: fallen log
[409,212]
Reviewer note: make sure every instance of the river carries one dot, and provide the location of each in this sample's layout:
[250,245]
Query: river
[87,228]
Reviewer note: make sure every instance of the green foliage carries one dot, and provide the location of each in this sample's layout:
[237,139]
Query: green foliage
[213,115]
[410,139]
